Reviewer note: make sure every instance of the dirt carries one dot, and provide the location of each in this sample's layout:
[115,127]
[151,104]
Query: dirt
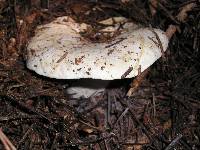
[163,111]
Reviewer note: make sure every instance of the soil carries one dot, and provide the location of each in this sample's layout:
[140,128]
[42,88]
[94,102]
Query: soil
[162,113]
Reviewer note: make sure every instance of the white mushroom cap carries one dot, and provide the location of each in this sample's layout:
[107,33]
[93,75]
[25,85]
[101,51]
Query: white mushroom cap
[59,51]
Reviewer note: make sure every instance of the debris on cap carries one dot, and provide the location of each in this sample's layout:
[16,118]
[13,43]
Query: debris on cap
[113,20]
[59,51]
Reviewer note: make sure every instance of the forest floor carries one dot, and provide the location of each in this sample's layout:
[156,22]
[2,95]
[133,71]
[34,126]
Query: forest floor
[162,113]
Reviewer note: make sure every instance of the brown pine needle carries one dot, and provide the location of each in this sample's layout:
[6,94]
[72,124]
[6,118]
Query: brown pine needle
[6,142]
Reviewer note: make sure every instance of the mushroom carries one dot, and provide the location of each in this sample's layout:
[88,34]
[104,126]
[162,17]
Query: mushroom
[58,50]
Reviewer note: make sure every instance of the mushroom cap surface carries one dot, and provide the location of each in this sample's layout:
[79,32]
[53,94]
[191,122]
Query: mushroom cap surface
[59,51]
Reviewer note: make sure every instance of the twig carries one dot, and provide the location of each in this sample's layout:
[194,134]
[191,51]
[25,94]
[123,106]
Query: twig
[170,31]
[137,82]
[108,110]
[6,142]
[91,126]
[153,6]
[136,119]
[168,14]
[117,42]
[174,142]
[120,117]
[127,72]
[24,136]
[22,106]
[159,43]
[62,57]
[154,105]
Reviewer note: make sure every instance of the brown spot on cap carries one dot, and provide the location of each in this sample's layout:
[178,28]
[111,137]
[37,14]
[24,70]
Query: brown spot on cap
[102,67]
[110,51]
[79,60]
[87,73]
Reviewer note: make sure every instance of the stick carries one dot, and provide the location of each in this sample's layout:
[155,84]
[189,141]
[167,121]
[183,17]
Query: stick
[6,142]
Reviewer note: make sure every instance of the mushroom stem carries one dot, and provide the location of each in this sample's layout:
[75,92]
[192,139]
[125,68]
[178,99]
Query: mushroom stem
[86,88]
